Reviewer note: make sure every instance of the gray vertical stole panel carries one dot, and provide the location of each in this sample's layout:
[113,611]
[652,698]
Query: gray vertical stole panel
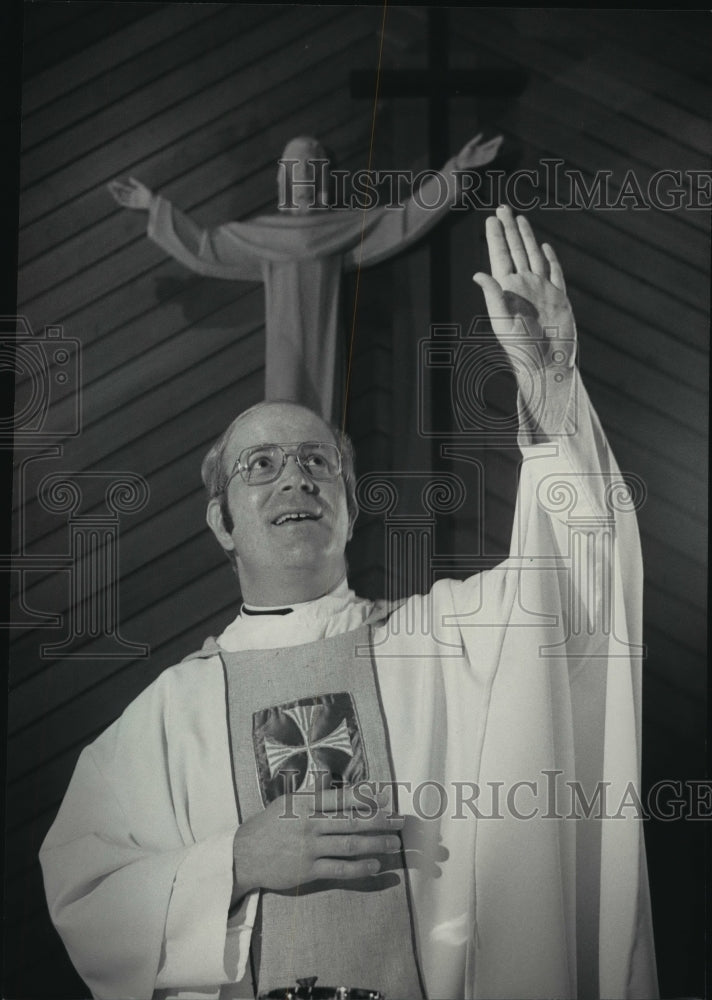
[292,714]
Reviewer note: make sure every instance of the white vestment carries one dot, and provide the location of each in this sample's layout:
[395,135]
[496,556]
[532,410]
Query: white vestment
[511,682]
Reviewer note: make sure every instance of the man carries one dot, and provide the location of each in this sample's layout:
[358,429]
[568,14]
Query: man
[300,253]
[205,850]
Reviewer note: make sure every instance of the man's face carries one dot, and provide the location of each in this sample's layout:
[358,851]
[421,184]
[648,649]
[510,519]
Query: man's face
[272,549]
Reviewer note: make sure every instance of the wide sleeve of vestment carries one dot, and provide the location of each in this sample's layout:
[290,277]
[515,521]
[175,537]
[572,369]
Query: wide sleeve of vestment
[138,863]
[392,228]
[216,252]
[564,714]
[534,714]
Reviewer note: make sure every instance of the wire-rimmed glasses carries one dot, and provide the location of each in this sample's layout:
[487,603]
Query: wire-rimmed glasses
[263,463]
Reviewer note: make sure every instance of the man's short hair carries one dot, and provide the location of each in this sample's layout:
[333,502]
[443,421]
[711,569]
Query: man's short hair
[215,475]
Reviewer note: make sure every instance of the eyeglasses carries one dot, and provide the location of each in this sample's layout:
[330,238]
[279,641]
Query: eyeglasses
[264,463]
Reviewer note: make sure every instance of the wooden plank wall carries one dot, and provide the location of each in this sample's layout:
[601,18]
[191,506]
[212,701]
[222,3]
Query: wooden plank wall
[198,101]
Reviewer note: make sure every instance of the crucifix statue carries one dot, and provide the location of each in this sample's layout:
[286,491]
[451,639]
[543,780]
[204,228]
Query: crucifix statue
[300,252]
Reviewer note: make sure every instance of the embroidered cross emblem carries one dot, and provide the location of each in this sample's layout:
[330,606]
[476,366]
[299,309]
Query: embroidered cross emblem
[303,717]
[296,742]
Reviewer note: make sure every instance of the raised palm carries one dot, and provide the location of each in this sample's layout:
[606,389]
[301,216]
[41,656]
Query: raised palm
[526,292]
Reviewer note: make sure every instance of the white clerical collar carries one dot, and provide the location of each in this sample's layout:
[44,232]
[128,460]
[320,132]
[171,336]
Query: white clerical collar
[339,610]
[246,609]
[339,593]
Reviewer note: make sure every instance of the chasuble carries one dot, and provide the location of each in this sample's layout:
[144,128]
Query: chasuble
[500,690]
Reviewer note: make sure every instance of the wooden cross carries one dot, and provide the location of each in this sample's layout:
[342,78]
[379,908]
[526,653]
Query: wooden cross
[438,83]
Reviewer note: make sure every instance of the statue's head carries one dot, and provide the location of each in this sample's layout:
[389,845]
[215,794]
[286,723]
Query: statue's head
[303,175]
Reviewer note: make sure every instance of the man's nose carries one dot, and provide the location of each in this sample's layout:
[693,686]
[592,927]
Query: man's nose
[294,477]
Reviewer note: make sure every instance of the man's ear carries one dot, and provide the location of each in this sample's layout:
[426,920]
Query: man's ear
[216,524]
[352,518]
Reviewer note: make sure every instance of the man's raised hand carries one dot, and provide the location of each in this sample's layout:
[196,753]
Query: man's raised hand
[526,288]
[131,194]
[303,838]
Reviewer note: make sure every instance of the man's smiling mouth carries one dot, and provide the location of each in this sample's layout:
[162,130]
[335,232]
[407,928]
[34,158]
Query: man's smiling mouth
[297,515]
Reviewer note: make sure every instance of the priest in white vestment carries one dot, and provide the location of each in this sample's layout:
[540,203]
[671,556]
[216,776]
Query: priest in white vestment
[499,690]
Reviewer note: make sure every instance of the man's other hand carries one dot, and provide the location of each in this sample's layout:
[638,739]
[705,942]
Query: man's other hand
[303,838]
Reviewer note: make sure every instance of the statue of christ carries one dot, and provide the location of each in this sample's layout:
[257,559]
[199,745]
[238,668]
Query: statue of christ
[300,252]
